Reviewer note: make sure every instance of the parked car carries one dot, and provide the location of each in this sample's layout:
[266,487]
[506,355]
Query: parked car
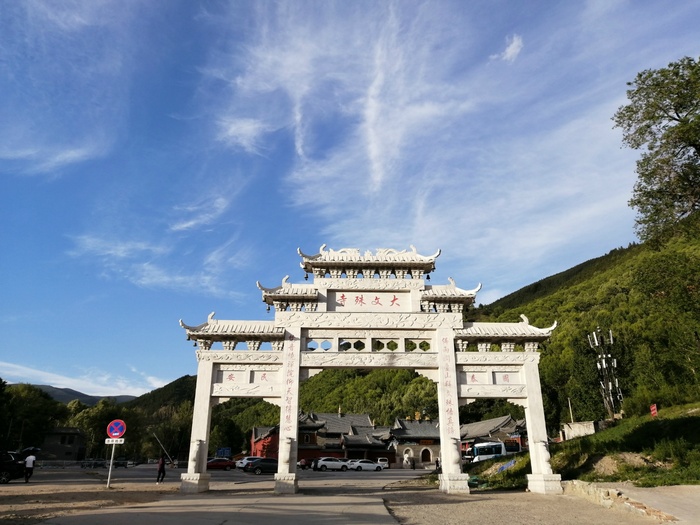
[11,466]
[241,463]
[262,465]
[384,462]
[326,463]
[220,464]
[364,464]
[120,462]
[303,464]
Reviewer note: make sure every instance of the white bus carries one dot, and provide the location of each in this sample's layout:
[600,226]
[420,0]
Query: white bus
[484,451]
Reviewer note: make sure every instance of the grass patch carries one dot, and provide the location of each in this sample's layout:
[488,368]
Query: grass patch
[648,451]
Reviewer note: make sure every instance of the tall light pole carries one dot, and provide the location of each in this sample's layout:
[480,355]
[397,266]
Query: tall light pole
[607,370]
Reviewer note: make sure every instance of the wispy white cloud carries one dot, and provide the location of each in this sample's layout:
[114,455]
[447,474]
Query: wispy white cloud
[91,245]
[203,212]
[64,74]
[151,265]
[92,382]
[514,45]
[246,133]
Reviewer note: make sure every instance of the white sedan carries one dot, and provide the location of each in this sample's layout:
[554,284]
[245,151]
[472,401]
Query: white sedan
[364,464]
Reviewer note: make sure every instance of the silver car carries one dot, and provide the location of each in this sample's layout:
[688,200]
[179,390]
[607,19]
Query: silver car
[330,464]
[364,464]
[241,463]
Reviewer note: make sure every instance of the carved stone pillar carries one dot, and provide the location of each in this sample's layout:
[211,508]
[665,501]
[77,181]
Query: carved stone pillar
[542,480]
[196,479]
[452,480]
[286,478]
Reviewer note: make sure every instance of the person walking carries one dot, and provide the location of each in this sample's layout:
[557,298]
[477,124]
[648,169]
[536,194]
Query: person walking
[161,469]
[29,467]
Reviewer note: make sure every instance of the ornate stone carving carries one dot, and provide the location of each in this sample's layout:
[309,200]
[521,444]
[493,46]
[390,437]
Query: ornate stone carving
[248,390]
[239,357]
[487,391]
[497,358]
[204,344]
[246,366]
[375,320]
[369,285]
[403,360]
[319,334]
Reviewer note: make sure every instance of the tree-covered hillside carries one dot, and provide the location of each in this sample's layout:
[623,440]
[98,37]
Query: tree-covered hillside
[649,296]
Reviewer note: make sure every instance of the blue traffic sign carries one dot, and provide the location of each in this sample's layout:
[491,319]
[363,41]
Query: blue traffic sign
[116,428]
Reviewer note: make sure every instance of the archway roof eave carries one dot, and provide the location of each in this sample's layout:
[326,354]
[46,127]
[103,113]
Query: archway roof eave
[223,328]
[482,330]
[351,257]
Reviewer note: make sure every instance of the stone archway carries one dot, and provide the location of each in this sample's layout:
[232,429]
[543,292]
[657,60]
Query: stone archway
[371,310]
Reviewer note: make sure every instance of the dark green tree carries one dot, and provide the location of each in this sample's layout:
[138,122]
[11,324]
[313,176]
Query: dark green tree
[4,415]
[663,119]
[32,414]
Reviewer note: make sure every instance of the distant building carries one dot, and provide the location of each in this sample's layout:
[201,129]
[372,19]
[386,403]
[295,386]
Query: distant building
[64,443]
[327,434]
[408,443]
[416,442]
[511,431]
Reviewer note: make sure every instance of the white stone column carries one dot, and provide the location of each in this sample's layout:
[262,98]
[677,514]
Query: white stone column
[286,478]
[542,480]
[452,480]
[196,479]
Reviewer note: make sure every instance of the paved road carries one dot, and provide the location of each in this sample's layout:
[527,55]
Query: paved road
[359,498]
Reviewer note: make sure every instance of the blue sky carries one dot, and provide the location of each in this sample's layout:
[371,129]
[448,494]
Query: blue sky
[158,158]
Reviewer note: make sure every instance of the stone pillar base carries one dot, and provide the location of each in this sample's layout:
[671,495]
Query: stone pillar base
[454,483]
[544,483]
[192,483]
[286,483]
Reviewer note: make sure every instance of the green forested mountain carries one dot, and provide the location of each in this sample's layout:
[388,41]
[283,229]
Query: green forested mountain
[649,296]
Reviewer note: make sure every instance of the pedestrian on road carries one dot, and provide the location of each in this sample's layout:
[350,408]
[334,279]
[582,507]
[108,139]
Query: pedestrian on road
[161,469]
[29,467]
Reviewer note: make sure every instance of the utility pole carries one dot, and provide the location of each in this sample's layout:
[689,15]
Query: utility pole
[607,370]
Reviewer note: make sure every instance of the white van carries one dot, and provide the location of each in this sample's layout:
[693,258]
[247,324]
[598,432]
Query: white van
[488,450]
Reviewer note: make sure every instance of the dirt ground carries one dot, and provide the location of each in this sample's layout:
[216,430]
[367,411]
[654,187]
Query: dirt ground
[412,503]
[30,503]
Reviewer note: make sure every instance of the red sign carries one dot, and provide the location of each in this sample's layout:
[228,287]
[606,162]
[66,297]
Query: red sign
[653,410]
[116,428]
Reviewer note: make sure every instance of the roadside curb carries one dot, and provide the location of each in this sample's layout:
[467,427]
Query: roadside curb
[612,498]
